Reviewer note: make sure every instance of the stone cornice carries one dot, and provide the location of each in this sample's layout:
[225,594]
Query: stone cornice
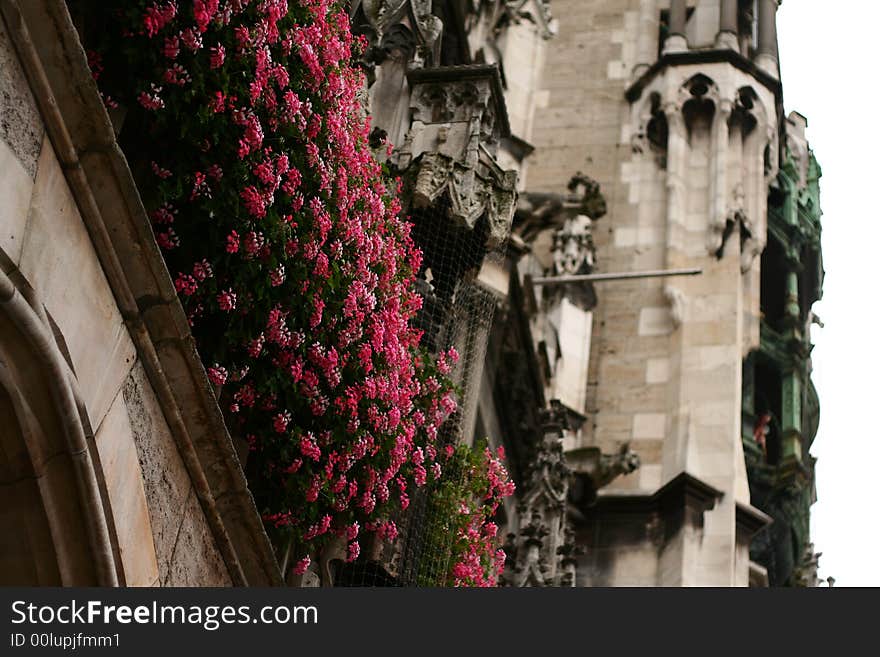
[634,91]
[452,74]
[683,491]
[682,501]
[749,521]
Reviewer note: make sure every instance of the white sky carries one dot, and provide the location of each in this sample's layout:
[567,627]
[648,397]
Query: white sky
[829,56]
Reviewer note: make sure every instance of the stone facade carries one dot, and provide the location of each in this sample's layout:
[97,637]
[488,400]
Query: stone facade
[655,425]
[114,451]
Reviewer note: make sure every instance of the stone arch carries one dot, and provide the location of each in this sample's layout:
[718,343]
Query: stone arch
[700,98]
[55,530]
[749,110]
[651,128]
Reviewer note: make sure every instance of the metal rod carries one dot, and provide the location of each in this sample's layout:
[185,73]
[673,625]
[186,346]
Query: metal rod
[620,276]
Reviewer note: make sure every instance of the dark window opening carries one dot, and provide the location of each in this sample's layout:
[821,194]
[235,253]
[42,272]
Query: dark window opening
[808,286]
[773,284]
[768,401]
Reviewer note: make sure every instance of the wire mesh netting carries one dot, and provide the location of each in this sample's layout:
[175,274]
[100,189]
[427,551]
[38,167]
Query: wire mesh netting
[457,313]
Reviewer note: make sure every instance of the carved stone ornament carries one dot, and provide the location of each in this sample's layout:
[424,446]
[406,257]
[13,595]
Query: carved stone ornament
[406,25]
[458,120]
[542,552]
[573,248]
[471,195]
[502,13]
[596,470]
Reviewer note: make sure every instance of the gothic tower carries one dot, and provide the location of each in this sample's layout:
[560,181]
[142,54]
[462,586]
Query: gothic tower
[676,109]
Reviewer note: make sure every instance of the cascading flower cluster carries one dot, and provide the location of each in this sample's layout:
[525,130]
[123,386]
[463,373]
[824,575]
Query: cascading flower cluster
[286,248]
[479,562]
[461,511]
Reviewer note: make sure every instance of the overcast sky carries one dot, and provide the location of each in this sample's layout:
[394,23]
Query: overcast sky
[829,57]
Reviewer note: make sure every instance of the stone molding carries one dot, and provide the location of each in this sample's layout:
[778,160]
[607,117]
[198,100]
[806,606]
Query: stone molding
[750,521]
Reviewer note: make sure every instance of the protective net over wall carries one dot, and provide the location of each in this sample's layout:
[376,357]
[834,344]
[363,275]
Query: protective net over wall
[457,312]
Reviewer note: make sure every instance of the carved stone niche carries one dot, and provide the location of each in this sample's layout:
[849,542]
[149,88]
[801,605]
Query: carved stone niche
[458,120]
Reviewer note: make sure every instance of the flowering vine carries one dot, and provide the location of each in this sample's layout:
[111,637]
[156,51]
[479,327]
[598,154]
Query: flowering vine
[461,511]
[244,126]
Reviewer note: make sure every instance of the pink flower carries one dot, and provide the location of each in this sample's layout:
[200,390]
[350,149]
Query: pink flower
[217,375]
[217,102]
[232,242]
[172,47]
[276,276]
[151,100]
[191,38]
[280,422]
[168,240]
[215,172]
[186,284]
[226,300]
[309,448]
[159,171]
[301,566]
[218,56]
[254,202]
[203,12]
[200,186]
[157,17]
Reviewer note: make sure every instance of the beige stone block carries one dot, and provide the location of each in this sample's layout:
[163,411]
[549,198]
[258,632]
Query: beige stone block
[706,358]
[650,235]
[167,483]
[655,321]
[617,70]
[542,98]
[714,307]
[635,566]
[15,195]
[196,561]
[649,426]
[657,370]
[719,413]
[650,477]
[60,262]
[122,472]
[650,451]
[494,276]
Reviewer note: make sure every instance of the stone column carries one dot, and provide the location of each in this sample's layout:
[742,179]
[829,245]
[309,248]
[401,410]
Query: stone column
[767,58]
[720,190]
[676,40]
[676,164]
[649,32]
[728,33]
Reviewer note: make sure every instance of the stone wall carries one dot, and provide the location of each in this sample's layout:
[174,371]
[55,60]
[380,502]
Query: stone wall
[156,524]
